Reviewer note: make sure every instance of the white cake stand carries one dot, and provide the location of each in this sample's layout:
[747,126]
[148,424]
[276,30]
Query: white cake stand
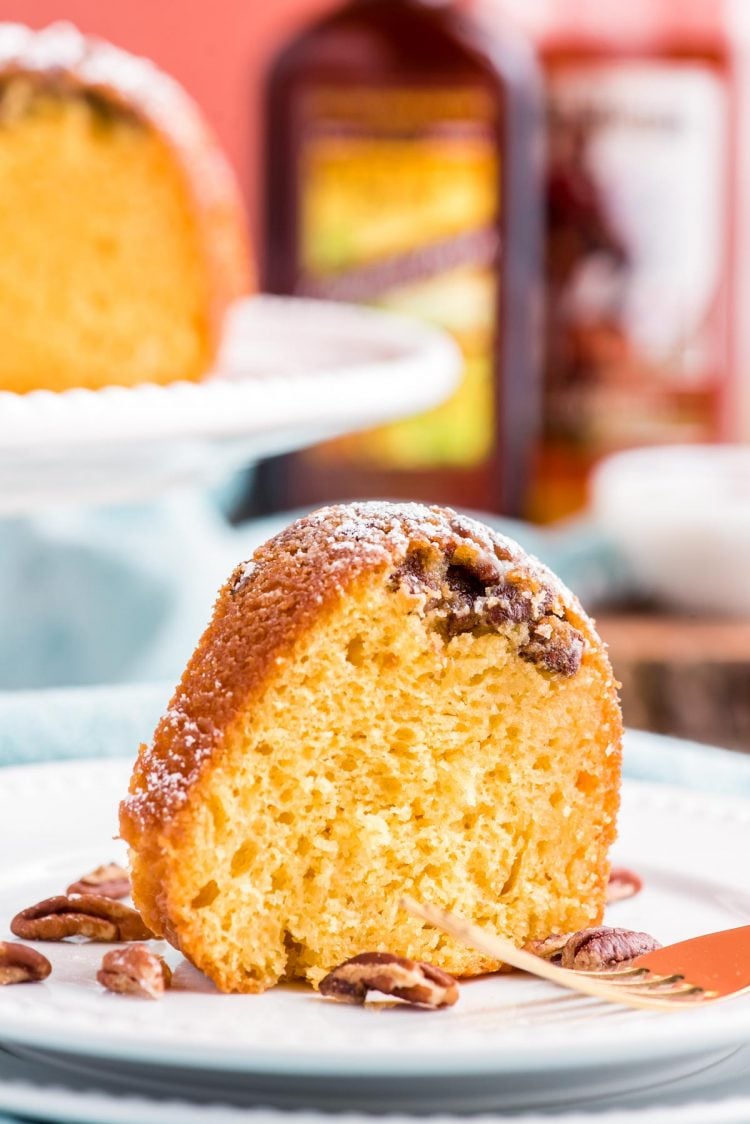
[291,373]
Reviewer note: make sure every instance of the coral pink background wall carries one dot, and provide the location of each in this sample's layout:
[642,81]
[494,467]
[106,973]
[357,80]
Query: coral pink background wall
[217,48]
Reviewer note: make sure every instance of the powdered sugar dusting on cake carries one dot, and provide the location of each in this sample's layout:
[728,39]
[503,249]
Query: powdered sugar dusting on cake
[14,39]
[163,772]
[285,586]
[387,529]
[135,81]
[243,573]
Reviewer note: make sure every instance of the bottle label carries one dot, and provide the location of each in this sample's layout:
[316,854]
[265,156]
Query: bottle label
[399,208]
[637,180]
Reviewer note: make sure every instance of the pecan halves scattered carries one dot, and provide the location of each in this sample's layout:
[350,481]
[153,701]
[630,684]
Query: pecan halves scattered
[19,964]
[135,970]
[80,915]
[593,950]
[109,880]
[411,980]
[622,884]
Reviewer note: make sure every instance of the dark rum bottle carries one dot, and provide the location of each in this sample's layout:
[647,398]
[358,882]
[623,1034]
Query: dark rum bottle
[402,171]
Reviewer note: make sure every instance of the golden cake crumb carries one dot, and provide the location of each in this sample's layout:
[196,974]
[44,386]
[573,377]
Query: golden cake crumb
[389,699]
[122,233]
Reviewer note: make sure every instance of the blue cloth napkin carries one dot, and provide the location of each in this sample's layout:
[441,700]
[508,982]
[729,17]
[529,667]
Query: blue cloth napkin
[113,595]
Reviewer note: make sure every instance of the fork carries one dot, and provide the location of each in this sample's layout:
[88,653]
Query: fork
[634,986]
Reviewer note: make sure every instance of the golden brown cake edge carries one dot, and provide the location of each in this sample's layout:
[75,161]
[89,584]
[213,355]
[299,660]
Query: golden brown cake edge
[292,582]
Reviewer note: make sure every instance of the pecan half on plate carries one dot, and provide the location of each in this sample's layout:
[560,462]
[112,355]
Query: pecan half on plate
[550,948]
[622,884]
[592,950]
[411,980]
[109,881]
[19,964]
[135,970]
[80,915]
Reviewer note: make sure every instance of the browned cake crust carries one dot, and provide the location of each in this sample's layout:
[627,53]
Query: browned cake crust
[62,60]
[480,580]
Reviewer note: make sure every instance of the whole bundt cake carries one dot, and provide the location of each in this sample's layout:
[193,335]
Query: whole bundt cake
[122,237]
[389,699]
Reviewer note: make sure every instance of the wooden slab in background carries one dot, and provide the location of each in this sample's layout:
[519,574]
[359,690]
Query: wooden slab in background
[685,676]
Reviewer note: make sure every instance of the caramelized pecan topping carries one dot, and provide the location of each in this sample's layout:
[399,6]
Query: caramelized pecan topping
[109,880]
[554,644]
[80,915]
[479,564]
[411,980]
[135,970]
[517,600]
[472,590]
[19,964]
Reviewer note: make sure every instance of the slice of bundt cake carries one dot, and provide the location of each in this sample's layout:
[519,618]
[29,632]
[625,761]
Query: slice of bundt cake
[122,236]
[389,699]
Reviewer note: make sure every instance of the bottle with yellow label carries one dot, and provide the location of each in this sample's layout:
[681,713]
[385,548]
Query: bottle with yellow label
[401,171]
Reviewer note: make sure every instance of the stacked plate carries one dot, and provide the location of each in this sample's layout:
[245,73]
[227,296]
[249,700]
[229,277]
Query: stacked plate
[291,373]
[512,1044]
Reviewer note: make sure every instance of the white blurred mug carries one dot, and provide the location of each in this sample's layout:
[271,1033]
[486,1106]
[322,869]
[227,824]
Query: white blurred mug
[680,516]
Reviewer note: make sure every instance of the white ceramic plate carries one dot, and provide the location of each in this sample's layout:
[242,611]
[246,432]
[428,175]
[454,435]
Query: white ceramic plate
[41,1091]
[510,1042]
[291,372]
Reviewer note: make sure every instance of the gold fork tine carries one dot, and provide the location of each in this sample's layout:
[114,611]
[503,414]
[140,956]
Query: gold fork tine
[630,977]
[623,974]
[498,948]
[637,980]
[677,992]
